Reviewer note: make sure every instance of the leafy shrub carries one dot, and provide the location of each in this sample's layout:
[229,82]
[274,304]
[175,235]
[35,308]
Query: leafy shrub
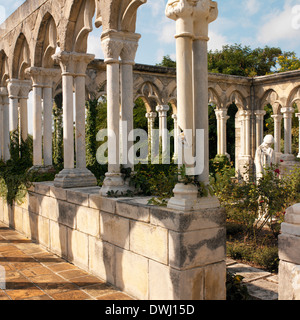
[235,289]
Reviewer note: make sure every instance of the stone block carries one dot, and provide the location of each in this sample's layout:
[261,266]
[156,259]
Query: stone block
[78,197]
[58,193]
[1,209]
[197,248]
[33,204]
[289,248]
[102,261]
[133,211]
[214,282]
[78,248]
[289,281]
[43,188]
[43,231]
[95,201]
[166,283]
[48,207]
[108,205]
[88,221]
[149,241]
[33,230]
[132,273]
[187,221]
[58,239]
[66,213]
[17,219]
[114,229]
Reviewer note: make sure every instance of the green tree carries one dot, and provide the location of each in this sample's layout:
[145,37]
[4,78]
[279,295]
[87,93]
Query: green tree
[167,62]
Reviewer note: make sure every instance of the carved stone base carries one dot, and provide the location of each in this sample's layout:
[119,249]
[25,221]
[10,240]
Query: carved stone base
[186,199]
[75,178]
[42,169]
[114,182]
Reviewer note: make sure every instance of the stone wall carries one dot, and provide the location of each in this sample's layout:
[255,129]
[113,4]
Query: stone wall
[149,252]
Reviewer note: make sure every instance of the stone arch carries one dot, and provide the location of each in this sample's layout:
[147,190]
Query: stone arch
[4,71]
[214,98]
[294,98]
[150,95]
[80,15]
[238,99]
[271,97]
[46,42]
[21,58]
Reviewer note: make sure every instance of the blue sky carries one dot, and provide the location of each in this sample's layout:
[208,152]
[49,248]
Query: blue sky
[251,22]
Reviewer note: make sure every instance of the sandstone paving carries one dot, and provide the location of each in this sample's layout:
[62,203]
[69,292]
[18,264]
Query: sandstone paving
[33,273]
[261,285]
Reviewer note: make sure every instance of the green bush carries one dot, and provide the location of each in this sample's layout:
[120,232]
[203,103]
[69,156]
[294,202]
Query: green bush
[235,289]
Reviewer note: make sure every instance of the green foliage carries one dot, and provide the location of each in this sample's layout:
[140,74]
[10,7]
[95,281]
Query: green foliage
[167,62]
[14,175]
[263,255]
[243,61]
[157,181]
[58,132]
[288,62]
[235,289]
[256,204]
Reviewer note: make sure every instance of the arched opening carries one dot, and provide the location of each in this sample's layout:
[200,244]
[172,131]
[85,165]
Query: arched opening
[231,131]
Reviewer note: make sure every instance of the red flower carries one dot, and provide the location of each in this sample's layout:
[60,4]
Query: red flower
[281,160]
[277,171]
[262,201]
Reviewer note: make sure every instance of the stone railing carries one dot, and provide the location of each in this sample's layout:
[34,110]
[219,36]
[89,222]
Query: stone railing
[149,252]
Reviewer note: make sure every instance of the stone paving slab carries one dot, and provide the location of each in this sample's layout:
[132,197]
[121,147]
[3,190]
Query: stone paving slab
[32,273]
[261,285]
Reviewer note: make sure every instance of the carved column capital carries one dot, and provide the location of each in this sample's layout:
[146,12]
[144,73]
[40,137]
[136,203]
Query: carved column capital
[287,112]
[162,110]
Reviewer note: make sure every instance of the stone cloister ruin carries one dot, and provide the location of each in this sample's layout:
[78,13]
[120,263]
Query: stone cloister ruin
[150,252]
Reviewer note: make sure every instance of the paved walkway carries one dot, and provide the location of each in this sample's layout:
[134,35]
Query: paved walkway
[262,285]
[32,273]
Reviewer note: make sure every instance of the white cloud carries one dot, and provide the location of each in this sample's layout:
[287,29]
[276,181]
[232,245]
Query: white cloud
[278,26]
[216,41]
[166,31]
[252,6]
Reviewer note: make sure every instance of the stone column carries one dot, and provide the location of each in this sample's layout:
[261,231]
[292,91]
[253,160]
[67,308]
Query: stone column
[222,118]
[289,255]
[192,22]
[259,125]
[13,88]
[163,130]
[277,134]
[151,119]
[47,108]
[287,118]
[72,65]
[5,128]
[247,133]
[127,55]
[174,117]
[36,77]
[298,116]
[25,88]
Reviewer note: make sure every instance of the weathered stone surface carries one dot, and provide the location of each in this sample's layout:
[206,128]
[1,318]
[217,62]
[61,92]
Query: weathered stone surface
[48,207]
[196,248]
[88,221]
[114,229]
[263,290]
[67,213]
[289,248]
[58,239]
[187,221]
[149,241]
[102,261]
[43,235]
[133,211]
[78,197]
[78,248]
[289,281]
[249,273]
[132,273]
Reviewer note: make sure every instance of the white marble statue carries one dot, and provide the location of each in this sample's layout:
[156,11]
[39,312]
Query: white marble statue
[264,156]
